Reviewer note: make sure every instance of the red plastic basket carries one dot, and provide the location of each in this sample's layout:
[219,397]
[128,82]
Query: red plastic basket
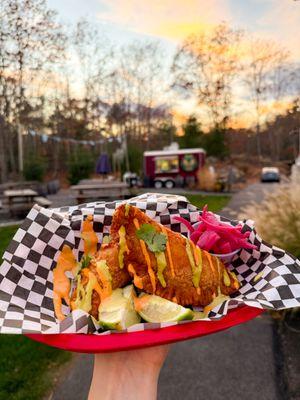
[153,337]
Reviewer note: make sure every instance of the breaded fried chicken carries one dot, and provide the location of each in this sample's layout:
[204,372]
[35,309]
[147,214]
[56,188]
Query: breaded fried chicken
[181,273]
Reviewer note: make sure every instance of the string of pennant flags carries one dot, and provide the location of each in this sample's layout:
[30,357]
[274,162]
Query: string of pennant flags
[45,138]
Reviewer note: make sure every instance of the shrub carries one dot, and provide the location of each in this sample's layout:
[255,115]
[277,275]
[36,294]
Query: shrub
[80,166]
[34,168]
[277,218]
[135,155]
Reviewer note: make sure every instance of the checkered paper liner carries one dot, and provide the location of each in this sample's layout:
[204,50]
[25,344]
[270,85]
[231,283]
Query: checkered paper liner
[26,274]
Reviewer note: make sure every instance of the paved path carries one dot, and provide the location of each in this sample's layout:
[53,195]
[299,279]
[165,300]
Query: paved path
[231,365]
[235,364]
[252,193]
[76,383]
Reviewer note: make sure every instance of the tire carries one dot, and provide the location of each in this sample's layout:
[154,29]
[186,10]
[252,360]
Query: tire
[169,184]
[158,184]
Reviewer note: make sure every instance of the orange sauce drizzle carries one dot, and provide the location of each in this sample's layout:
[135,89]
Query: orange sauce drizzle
[169,251]
[210,261]
[89,236]
[138,282]
[196,254]
[61,284]
[147,258]
[174,299]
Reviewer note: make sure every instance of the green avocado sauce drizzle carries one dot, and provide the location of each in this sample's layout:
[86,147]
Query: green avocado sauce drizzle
[84,295]
[161,265]
[123,246]
[103,267]
[226,278]
[196,269]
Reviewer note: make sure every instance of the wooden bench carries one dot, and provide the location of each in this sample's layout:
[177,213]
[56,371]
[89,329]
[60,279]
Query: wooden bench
[42,201]
[20,202]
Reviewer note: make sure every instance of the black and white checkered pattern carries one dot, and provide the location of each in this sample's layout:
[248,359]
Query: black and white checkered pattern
[26,278]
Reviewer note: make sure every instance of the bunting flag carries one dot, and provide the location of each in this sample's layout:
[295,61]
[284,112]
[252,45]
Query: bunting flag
[44,137]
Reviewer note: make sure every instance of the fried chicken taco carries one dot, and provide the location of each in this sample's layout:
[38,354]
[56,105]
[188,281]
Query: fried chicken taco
[144,270]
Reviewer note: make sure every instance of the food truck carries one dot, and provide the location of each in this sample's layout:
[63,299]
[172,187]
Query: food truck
[172,167]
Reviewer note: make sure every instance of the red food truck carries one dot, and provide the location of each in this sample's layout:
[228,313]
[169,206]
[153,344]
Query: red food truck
[172,167]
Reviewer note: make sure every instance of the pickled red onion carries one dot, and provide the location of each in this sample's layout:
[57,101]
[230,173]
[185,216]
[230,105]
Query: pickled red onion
[216,236]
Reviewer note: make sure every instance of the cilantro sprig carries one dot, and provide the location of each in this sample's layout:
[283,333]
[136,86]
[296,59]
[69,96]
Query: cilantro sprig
[85,261]
[155,241]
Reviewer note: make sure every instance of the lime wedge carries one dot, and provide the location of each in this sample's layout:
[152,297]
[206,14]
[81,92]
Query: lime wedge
[117,311]
[156,309]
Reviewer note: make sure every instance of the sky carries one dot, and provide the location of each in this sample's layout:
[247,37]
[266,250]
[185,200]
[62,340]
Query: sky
[170,21]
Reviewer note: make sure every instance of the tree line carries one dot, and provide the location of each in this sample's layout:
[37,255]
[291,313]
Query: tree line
[74,82]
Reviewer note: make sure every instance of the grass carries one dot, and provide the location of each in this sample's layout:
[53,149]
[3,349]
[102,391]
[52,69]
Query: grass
[215,203]
[27,367]
[6,234]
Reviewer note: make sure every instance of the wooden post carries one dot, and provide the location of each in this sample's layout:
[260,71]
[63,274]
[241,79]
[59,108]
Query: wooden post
[20,149]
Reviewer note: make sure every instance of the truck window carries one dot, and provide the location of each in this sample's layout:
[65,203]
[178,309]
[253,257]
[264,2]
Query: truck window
[166,164]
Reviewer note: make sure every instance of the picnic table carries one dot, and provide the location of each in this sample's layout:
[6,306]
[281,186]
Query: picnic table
[100,191]
[16,185]
[22,200]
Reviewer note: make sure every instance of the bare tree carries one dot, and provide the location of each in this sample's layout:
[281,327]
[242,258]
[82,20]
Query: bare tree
[95,58]
[138,86]
[35,41]
[264,78]
[30,41]
[294,76]
[206,66]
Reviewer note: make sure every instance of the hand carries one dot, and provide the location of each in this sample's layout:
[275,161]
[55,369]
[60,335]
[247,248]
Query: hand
[127,375]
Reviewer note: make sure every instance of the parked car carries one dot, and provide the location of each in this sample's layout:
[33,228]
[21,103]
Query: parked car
[270,174]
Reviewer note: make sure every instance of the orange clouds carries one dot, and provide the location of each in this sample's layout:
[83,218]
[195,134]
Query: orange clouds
[172,19]
[176,19]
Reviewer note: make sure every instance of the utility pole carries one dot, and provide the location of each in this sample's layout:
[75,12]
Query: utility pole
[126,152]
[20,149]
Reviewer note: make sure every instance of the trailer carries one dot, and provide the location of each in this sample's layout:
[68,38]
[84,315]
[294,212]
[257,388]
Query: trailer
[172,167]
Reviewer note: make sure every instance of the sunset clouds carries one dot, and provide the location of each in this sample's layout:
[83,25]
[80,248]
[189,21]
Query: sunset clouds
[171,19]
[175,19]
